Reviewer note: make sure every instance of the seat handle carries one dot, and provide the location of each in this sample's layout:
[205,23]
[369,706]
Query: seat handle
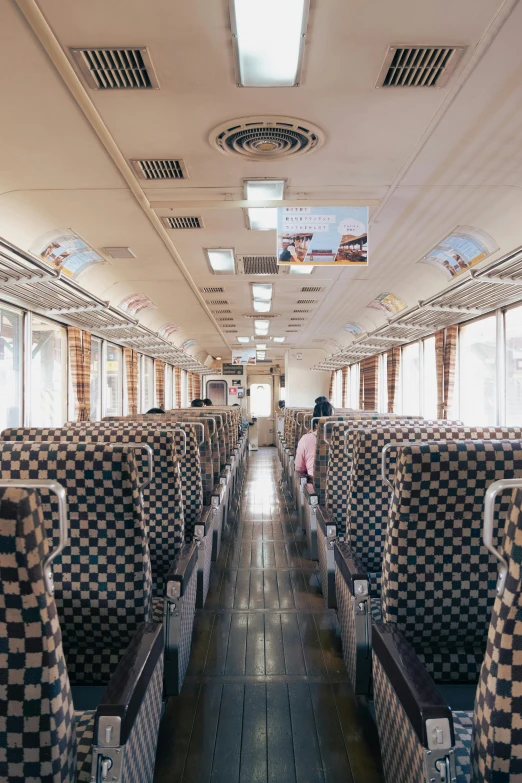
[487,534]
[57,489]
[197,424]
[182,431]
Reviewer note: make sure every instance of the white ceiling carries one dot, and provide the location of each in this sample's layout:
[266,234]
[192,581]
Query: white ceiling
[435,158]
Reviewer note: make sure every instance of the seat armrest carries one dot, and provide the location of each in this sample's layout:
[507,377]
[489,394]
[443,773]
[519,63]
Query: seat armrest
[124,694]
[351,568]
[181,570]
[218,494]
[311,495]
[203,522]
[302,475]
[326,520]
[416,691]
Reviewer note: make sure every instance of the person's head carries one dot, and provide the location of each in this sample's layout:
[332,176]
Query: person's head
[281,404]
[322,408]
[155,410]
[235,405]
[197,403]
[321,399]
[207,401]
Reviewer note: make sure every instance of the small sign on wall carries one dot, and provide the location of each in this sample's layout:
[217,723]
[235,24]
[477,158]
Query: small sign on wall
[232,390]
[236,383]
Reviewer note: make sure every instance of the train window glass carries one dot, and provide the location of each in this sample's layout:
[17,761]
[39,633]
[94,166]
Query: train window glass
[11,361]
[217,392]
[168,387]
[261,400]
[429,379]
[337,389]
[382,383]
[513,330]
[147,383]
[410,379]
[184,389]
[48,374]
[113,381]
[96,354]
[354,386]
[477,375]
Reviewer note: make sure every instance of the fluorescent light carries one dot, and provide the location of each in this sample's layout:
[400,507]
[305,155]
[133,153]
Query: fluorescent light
[261,324]
[279,339]
[261,347]
[301,270]
[261,307]
[243,339]
[262,291]
[261,355]
[221,260]
[270,41]
[263,218]
[262,332]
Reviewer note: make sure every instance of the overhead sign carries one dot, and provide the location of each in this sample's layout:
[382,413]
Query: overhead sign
[231,369]
[462,249]
[322,236]
[387,303]
[244,356]
[65,250]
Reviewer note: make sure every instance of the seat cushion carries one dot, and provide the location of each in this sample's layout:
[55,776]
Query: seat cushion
[84,739]
[463,724]
[157,610]
[375,610]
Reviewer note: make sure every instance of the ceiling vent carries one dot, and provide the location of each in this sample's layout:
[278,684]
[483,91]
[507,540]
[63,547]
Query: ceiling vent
[257,265]
[116,69]
[307,289]
[292,331]
[298,319]
[266,138]
[213,290]
[217,302]
[221,312]
[419,66]
[160,168]
[261,316]
[301,311]
[183,222]
[307,301]
[230,331]
[226,319]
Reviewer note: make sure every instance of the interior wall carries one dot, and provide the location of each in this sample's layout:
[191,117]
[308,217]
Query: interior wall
[232,398]
[303,385]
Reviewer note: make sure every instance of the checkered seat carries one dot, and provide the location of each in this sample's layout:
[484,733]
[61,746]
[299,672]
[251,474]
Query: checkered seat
[358,560]
[44,737]
[438,592]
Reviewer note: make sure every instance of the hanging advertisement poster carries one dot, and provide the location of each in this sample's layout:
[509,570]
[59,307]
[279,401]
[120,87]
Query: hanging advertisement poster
[464,248]
[354,329]
[387,303]
[322,236]
[245,356]
[65,250]
[135,303]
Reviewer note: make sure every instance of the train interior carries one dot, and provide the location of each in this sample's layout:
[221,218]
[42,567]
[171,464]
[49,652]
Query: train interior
[261,391]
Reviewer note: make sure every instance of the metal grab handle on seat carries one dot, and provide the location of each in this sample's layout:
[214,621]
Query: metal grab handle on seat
[197,424]
[182,431]
[391,445]
[57,489]
[332,424]
[144,447]
[487,535]
[212,419]
[314,418]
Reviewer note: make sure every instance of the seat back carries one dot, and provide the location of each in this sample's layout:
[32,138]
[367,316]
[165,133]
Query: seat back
[496,747]
[36,708]
[369,498]
[438,580]
[162,502]
[102,579]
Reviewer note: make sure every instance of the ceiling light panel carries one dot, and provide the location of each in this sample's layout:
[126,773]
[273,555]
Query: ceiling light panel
[261,324]
[301,270]
[262,291]
[260,306]
[263,218]
[243,339]
[261,356]
[269,41]
[261,347]
[221,260]
[119,252]
[279,339]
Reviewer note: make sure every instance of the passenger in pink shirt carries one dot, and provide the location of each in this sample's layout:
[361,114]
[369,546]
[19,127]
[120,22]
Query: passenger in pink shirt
[305,454]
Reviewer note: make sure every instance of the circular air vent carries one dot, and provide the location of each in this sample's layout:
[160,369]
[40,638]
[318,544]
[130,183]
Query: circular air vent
[266,138]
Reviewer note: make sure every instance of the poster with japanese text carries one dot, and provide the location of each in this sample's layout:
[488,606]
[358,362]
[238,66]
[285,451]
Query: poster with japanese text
[65,250]
[244,356]
[322,236]
[463,249]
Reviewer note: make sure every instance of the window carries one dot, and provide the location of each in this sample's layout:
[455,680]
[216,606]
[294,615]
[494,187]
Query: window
[147,383]
[11,360]
[48,379]
[217,392]
[410,379]
[169,403]
[382,383]
[429,379]
[96,353]
[355,374]
[112,389]
[261,400]
[478,356]
[513,329]
[184,388]
[337,389]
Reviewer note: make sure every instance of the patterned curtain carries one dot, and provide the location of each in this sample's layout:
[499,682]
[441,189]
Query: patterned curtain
[80,369]
[332,386]
[196,383]
[369,383]
[393,367]
[446,356]
[131,373]
[177,386]
[346,378]
[159,372]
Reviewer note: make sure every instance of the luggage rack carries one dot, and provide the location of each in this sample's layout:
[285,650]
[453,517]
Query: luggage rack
[28,281]
[475,293]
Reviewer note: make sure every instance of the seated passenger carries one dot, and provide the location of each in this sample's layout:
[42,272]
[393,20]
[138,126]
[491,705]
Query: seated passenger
[244,422]
[207,402]
[305,454]
[155,410]
[321,399]
[197,403]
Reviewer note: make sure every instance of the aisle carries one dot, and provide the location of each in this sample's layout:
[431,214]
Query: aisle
[266,696]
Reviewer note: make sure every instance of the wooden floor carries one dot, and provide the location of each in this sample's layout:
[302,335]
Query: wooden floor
[266,696]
